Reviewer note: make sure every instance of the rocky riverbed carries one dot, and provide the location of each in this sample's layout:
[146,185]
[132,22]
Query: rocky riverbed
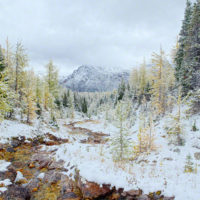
[34,174]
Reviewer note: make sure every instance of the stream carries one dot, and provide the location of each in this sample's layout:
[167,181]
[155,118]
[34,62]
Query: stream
[43,178]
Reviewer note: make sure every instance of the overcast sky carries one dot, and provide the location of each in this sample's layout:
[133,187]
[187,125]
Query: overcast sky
[112,33]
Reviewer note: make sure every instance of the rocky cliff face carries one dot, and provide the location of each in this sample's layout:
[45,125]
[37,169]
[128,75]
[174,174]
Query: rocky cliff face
[94,79]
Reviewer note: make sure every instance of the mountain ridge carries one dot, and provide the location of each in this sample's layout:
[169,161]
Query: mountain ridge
[88,78]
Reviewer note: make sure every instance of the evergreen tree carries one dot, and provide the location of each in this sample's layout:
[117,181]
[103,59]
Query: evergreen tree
[65,100]
[182,60]
[4,89]
[189,165]
[2,61]
[71,105]
[121,90]
[120,143]
[84,105]
[39,95]
[194,51]
[76,102]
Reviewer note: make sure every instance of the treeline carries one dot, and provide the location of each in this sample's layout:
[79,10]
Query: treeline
[187,58]
[25,95]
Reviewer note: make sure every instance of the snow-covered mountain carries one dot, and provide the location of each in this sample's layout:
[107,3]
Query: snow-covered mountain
[94,79]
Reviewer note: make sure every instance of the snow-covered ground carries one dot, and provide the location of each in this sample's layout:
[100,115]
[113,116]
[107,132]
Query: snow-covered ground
[162,169]
[5,182]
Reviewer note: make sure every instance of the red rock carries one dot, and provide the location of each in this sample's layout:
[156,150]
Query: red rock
[91,190]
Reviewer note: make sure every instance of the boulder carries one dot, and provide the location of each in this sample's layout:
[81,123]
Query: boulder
[56,165]
[10,149]
[91,190]
[134,193]
[9,174]
[17,141]
[52,177]
[69,196]
[143,197]
[34,183]
[15,192]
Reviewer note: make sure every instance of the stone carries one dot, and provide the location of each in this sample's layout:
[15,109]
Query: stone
[15,192]
[168,158]
[51,143]
[9,174]
[1,147]
[115,196]
[143,197]
[69,196]
[39,157]
[45,163]
[134,193]
[56,165]
[197,155]
[22,181]
[34,183]
[10,149]
[92,190]
[52,177]
[177,150]
[17,141]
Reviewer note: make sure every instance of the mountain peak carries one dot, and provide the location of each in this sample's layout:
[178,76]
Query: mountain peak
[88,78]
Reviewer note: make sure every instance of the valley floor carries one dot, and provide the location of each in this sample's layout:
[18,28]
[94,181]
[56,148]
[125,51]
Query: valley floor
[89,150]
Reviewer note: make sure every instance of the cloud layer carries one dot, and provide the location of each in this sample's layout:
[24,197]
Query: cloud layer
[116,33]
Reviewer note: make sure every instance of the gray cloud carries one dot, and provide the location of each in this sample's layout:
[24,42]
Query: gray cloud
[96,32]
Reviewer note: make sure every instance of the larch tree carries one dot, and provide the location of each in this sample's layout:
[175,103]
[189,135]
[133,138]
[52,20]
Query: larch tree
[142,78]
[29,96]
[146,132]
[134,81]
[52,79]
[21,61]
[162,80]
[176,127]
[51,89]
[9,60]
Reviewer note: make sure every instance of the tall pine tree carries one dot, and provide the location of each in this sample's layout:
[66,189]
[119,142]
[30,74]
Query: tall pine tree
[182,70]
